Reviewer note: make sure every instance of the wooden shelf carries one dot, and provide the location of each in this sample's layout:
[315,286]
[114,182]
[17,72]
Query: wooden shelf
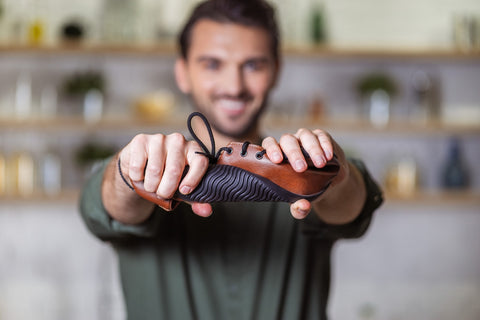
[420,198]
[66,196]
[79,124]
[271,122]
[439,197]
[90,49]
[312,51]
[380,53]
[274,122]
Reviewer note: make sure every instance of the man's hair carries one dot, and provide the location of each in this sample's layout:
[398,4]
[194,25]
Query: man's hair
[250,13]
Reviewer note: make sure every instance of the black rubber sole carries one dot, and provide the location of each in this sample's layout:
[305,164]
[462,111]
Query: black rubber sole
[224,183]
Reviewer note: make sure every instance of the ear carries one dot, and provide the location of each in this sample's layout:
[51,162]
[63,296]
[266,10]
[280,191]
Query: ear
[276,75]
[181,75]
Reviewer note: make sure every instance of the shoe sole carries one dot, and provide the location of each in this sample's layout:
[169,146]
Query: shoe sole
[224,183]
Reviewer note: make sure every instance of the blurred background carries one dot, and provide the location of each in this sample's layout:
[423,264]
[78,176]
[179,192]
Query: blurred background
[396,83]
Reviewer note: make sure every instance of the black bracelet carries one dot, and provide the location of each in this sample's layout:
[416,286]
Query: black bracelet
[121,174]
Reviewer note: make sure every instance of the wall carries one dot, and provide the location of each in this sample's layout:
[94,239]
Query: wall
[417,261]
[366,23]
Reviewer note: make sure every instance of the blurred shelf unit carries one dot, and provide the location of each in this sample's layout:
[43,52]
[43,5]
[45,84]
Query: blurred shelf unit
[77,123]
[65,196]
[271,122]
[421,197]
[438,197]
[356,125]
[170,49]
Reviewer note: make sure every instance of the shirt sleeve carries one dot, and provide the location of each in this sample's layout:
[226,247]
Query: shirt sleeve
[313,226]
[97,219]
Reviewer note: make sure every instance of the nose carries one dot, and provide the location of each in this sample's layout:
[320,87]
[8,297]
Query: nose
[233,82]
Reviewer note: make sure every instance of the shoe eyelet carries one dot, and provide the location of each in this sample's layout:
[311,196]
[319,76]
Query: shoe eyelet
[243,154]
[259,155]
[229,151]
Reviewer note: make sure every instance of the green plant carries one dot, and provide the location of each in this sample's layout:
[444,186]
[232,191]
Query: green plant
[376,81]
[92,152]
[80,83]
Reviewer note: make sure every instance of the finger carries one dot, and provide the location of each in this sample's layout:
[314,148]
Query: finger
[174,165]
[274,152]
[300,209]
[325,142]
[136,157]
[124,158]
[155,163]
[202,209]
[198,165]
[291,147]
[311,144]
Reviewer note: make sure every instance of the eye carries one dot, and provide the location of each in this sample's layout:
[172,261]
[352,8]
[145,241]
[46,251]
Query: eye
[212,64]
[252,65]
[255,65]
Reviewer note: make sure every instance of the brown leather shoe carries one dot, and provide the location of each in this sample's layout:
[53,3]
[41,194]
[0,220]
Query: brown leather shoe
[243,172]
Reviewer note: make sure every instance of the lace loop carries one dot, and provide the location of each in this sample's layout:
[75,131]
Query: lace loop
[244,148]
[210,154]
[226,149]
[259,155]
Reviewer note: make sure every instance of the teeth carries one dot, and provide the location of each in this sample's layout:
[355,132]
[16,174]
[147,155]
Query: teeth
[231,104]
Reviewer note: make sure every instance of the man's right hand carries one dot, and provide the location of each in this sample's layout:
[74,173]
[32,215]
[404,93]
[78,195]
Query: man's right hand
[159,161]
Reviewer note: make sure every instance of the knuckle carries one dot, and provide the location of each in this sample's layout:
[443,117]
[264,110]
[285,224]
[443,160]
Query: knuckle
[140,138]
[303,131]
[173,171]
[134,167]
[320,132]
[158,138]
[154,170]
[269,139]
[199,161]
[193,146]
[287,136]
[269,142]
[176,138]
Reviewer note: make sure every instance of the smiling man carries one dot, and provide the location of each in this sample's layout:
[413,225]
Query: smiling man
[229,74]
[247,260]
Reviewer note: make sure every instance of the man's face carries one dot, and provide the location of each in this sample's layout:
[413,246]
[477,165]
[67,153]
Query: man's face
[229,72]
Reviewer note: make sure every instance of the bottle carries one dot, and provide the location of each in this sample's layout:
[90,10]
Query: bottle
[36,28]
[455,173]
[23,96]
[402,177]
[379,103]
[24,173]
[3,174]
[51,173]
[36,32]
[317,25]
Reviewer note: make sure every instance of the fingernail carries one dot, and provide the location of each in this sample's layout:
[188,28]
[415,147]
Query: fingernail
[319,160]
[276,157]
[303,212]
[328,154]
[299,165]
[185,189]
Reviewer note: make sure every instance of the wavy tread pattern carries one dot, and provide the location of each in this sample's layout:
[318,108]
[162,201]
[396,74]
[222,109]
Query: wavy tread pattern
[224,183]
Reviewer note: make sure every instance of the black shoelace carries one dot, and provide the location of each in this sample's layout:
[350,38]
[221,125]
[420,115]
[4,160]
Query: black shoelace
[211,154]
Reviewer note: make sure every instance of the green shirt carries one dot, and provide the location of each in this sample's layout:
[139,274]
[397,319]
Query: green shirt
[246,261]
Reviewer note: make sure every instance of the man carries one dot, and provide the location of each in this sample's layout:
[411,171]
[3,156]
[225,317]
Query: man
[246,260]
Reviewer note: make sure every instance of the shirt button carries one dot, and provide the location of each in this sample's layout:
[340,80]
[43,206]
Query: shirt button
[233,289]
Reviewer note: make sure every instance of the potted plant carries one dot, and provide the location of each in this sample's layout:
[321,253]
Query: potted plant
[376,91]
[89,88]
